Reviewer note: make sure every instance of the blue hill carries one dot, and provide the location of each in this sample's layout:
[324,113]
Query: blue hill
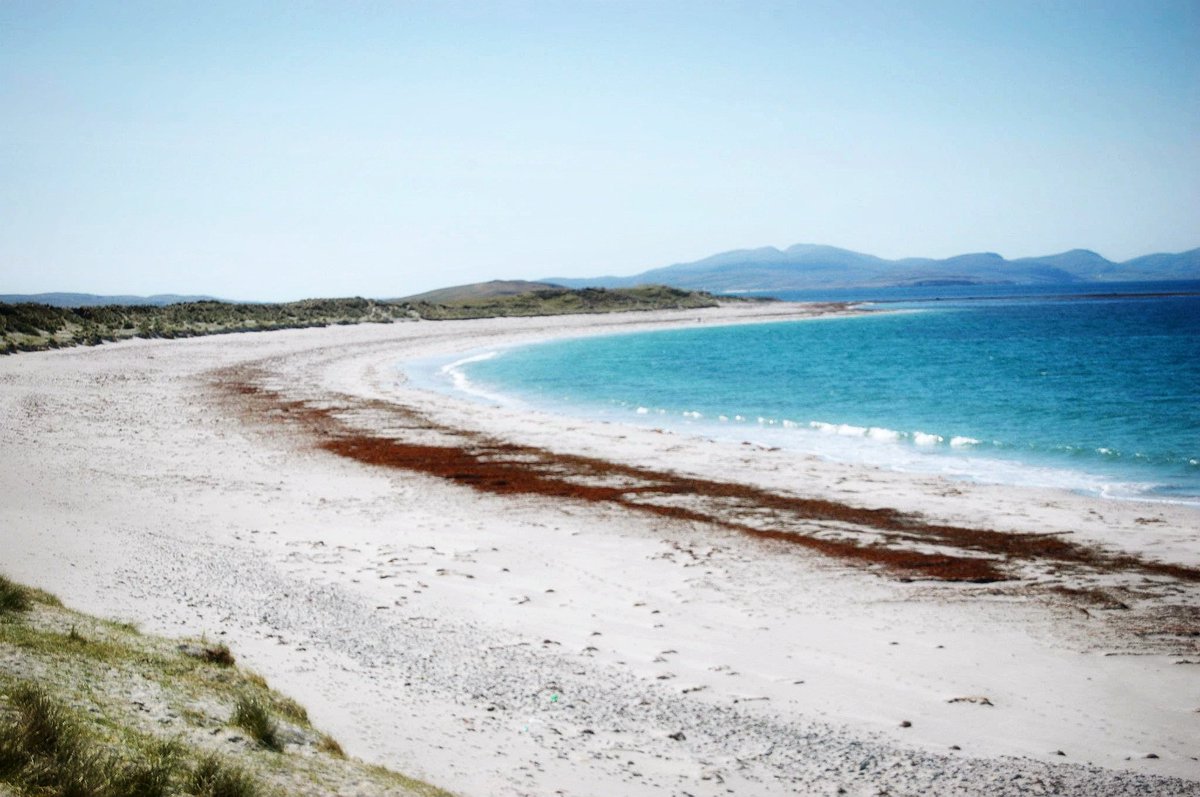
[809,266]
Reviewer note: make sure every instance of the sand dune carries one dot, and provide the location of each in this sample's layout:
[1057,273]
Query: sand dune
[386,555]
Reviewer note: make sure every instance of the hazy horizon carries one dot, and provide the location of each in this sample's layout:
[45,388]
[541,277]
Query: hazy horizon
[282,151]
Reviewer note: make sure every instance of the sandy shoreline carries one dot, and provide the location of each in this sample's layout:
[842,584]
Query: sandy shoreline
[522,643]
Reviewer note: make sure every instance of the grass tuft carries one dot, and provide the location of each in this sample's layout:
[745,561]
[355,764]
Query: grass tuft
[254,678]
[220,655]
[290,709]
[150,776]
[252,715]
[42,727]
[213,777]
[13,597]
[330,746]
[43,747]
[44,750]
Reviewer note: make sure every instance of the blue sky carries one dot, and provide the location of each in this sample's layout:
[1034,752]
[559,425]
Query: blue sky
[284,150]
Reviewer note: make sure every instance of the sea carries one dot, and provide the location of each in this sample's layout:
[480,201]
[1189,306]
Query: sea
[1090,388]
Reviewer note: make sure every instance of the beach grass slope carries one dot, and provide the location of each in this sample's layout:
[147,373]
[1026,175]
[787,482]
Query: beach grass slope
[95,708]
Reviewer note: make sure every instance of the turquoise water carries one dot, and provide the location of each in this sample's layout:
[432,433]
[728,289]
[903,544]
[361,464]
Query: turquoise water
[1097,394]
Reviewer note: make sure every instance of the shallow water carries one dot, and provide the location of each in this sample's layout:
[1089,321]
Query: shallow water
[1097,394]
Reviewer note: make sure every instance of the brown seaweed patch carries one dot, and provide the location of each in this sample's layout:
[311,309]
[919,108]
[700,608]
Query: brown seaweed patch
[901,543]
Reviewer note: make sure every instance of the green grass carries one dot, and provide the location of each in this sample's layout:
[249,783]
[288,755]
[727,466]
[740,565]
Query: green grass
[563,301]
[45,748]
[33,327]
[36,327]
[92,645]
[94,708]
[36,728]
[13,598]
[253,716]
[290,709]
[214,777]
[153,773]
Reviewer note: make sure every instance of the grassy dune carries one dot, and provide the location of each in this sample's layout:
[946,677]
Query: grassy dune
[31,327]
[92,708]
[35,327]
[566,301]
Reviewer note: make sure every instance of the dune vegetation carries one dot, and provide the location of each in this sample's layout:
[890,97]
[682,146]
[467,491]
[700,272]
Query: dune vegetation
[93,708]
[34,327]
[31,327]
[566,301]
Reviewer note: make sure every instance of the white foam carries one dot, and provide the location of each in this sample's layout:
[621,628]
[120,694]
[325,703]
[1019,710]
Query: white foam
[912,451]
[840,429]
[474,358]
[459,380]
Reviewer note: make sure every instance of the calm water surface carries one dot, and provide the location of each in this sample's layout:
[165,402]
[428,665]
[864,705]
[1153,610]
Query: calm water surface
[1097,394]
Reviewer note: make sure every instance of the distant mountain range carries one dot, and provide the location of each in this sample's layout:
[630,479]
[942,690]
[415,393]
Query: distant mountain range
[799,267]
[810,266]
[94,300]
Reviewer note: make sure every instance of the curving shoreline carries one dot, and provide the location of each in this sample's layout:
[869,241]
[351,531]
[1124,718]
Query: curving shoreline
[429,624]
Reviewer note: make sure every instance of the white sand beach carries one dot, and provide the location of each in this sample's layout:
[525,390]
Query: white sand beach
[497,640]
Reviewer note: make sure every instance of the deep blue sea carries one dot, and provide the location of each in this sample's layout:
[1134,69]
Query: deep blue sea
[1060,387]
